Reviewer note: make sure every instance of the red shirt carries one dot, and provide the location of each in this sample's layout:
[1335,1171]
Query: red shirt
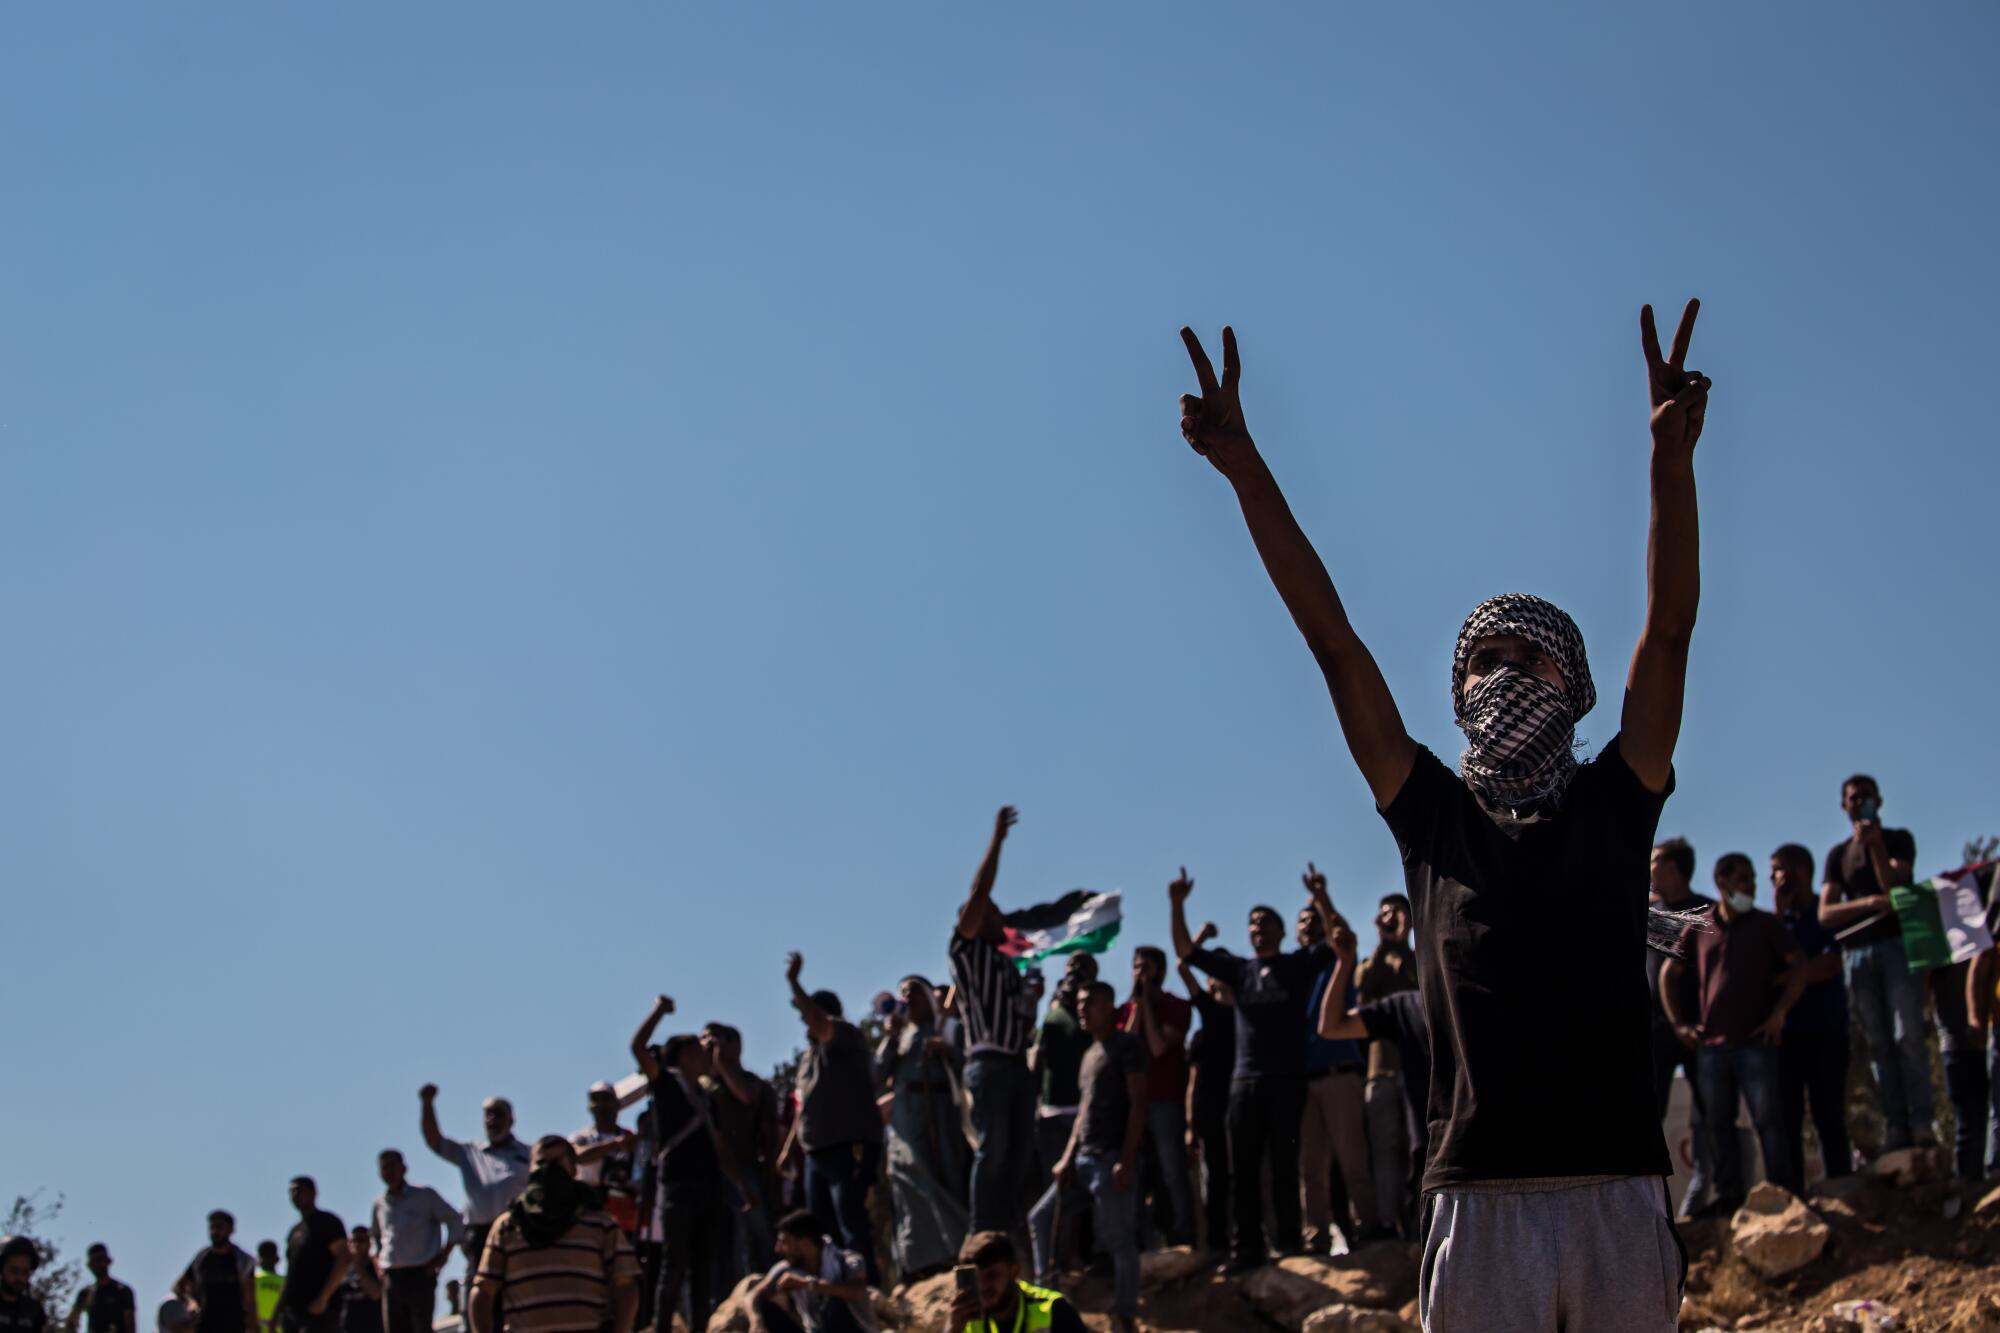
[1166,1075]
[1738,963]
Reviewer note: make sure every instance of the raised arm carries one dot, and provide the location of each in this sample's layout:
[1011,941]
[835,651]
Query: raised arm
[1213,424]
[1651,723]
[642,1040]
[819,1023]
[1188,978]
[434,1138]
[1336,1021]
[1177,895]
[1323,908]
[972,916]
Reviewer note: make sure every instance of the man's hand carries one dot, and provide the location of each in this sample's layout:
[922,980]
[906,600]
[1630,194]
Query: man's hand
[663,1005]
[1207,932]
[795,963]
[1121,1174]
[318,1307]
[1314,881]
[1771,1031]
[1006,819]
[790,1281]
[964,1310]
[1213,423]
[1689,1034]
[1868,835]
[1065,1169]
[1342,941]
[1679,397]
[427,1093]
[1193,1145]
[1179,890]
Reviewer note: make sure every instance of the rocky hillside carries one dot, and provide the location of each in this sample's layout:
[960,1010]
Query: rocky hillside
[1900,1247]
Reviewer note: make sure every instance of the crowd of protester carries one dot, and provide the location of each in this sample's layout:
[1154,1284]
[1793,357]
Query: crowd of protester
[1430,1092]
[1281,1105]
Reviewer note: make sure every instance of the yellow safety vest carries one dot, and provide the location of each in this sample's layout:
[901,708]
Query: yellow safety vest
[269,1285]
[1034,1313]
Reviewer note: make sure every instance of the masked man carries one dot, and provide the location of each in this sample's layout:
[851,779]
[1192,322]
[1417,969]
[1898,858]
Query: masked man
[1527,874]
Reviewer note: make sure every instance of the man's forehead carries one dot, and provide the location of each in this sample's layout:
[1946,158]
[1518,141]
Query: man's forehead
[1500,643]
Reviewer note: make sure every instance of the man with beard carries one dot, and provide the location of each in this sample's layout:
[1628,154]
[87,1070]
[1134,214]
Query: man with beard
[554,1263]
[20,1311]
[106,1305]
[1526,872]
[219,1288]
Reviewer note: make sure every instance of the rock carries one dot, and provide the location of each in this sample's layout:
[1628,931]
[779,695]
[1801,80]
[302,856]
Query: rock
[1776,1233]
[924,1305]
[1977,1314]
[1353,1319]
[1159,1268]
[1284,1297]
[733,1315]
[1910,1166]
[1869,1316]
[1380,1276]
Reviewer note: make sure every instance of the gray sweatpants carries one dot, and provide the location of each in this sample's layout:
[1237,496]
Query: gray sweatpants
[1552,1257]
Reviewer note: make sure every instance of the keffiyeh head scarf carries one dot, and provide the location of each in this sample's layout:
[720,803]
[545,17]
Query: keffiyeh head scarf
[1521,729]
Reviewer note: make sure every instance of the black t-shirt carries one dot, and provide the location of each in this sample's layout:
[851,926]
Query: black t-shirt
[1529,950]
[1399,1020]
[22,1316]
[309,1258]
[1272,1004]
[836,1084]
[218,1278]
[1686,992]
[1848,866]
[1107,1101]
[683,1137]
[1212,1050]
[359,1312]
[106,1304]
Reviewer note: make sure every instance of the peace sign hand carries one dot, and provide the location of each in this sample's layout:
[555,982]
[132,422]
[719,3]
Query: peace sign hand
[1213,423]
[1679,397]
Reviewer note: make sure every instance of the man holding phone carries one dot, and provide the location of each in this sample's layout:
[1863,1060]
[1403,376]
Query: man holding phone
[1887,997]
[991,1298]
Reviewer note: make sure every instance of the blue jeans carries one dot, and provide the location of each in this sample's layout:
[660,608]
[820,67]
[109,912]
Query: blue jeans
[1888,998]
[1003,1116]
[1166,1136]
[1752,1069]
[1114,1216]
[837,1183]
[755,1236]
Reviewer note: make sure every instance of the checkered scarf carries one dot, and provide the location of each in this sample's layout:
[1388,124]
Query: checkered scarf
[1521,729]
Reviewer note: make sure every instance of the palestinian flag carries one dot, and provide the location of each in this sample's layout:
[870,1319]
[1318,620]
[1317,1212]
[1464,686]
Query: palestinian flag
[1947,918]
[1078,922]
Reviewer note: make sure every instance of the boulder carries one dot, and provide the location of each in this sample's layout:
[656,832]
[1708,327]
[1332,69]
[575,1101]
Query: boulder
[1381,1276]
[1989,1204]
[1354,1319]
[733,1315]
[1977,1314]
[1776,1233]
[1905,1167]
[1159,1268]
[925,1304]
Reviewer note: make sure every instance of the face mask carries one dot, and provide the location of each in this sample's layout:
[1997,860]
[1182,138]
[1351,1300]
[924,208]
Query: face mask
[1740,902]
[1520,728]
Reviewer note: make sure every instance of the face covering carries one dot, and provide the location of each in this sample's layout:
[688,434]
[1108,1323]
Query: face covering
[547,1207]
[1521,729]
[1740,902]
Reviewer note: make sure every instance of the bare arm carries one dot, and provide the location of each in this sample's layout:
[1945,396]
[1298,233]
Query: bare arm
[972,916]
[434,1138]
[1837,911]
[1336,1021]
[1651,723]
[1126,1169]
[1177,893]
[642,1040]
[1213,424]
[371,1282]
[624,1306]
[1979,988]
[1671,973]
[1150,1031]
[341,1260]
[819,1024]
[479,1309]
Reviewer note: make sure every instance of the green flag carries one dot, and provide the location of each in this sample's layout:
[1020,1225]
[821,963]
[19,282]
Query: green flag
[1924,943]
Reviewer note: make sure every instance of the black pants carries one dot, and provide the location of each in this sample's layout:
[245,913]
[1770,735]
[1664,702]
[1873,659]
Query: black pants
[696,1230]
[649,1280]
[835,1317]
[299,1321]
[1264,1115]
[1211,1128]
[409,1299]
[474,1245]
[1813,1066]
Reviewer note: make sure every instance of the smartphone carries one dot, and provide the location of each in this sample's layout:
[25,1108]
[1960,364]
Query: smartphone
[1868,810]
[966,1278]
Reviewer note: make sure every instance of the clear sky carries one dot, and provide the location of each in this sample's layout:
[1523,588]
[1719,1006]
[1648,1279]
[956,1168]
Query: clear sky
[513,508]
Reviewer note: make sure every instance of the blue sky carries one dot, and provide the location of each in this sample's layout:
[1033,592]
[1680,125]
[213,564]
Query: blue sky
[510,509]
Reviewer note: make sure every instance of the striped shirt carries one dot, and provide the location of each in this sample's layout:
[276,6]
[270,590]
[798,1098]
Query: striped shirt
[993,1000]
[564,1287]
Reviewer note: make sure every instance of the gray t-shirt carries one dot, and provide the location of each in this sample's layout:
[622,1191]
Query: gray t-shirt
[837,1091]
[1107,1099]
[839,1267]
